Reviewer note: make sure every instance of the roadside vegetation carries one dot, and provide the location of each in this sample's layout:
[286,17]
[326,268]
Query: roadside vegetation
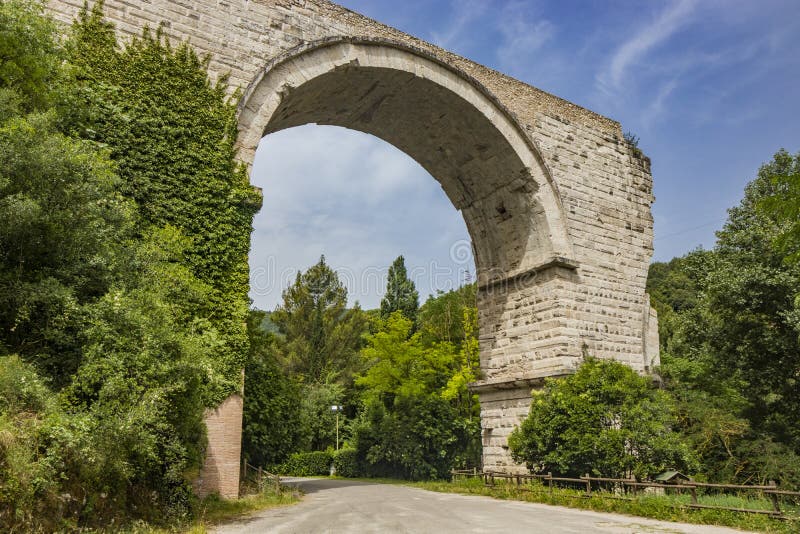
[643,505]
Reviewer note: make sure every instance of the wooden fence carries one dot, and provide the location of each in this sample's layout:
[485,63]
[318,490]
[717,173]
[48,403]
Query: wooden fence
[629,486]
[257,478]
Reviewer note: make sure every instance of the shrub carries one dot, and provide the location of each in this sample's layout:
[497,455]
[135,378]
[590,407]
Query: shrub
[348,464]
[605,420]
[305,464]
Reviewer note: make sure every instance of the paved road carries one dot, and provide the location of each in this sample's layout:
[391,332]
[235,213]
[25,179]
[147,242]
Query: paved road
[343,506]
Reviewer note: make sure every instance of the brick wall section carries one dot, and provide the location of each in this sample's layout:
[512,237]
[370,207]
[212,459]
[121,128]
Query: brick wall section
[604,187]
[220,472]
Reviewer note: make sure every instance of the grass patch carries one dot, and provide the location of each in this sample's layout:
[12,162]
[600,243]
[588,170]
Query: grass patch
[661,507]
[214,510]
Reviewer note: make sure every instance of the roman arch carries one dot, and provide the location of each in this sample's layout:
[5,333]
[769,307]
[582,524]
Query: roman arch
[556,203]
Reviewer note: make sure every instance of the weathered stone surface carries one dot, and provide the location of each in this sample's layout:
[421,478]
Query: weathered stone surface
[556,203]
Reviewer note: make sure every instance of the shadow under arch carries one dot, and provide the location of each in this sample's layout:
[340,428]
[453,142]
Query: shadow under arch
[442,118]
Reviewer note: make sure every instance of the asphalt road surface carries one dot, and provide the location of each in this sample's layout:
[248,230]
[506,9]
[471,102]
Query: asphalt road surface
[343,506]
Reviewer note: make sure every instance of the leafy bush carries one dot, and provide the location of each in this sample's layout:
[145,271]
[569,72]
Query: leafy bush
[348,464]
[419,439]
[306,464]
[604,420]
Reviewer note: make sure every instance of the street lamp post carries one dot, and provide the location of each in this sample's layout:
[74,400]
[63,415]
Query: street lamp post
[337,409]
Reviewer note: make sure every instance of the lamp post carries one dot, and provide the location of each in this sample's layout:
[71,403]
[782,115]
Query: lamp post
[337,409]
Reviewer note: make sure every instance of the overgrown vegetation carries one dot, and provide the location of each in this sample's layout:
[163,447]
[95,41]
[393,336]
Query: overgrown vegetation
[123,310]
[605,420]
[643,505]
[124,230]
[730,337]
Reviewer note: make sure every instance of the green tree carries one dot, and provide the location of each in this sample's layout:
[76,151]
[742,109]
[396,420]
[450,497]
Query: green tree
[782,204]
[398,365]
[441,316]
[272,426]
[30,58]
[401,295]
[410,426]
[604,420]
[317,420]
[729,355]
[321,335]
[110,307]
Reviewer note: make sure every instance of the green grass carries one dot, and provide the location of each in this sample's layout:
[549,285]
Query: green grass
[662,507]
[214,510]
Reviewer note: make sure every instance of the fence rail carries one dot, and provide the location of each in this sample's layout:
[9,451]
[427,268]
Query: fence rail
[588,483]
[258,477]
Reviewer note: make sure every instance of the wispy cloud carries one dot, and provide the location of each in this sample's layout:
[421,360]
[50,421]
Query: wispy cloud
[657,105]
[465,13]
[522,36]
[633,50]
[359,201]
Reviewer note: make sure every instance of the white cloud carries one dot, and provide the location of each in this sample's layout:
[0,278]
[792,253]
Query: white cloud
[636,48]
[522,36]
[655,109]
[465,13]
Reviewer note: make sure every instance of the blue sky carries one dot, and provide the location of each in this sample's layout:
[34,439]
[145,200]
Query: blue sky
[711,88]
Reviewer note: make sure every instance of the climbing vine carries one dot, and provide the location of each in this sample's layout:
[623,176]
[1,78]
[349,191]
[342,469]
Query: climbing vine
[171,133]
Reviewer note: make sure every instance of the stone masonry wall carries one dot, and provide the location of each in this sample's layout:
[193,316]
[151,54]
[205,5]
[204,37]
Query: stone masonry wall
[592,303]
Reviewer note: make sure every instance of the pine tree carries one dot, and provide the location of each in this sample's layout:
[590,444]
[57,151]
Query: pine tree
[322,336]
[401,295]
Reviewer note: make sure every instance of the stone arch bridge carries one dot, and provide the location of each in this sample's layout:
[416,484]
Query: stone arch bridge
[557,204]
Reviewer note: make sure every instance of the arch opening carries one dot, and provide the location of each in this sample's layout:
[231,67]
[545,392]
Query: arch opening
[438,117]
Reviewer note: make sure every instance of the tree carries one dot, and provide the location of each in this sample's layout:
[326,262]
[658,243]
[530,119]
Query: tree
[730,356]
[401,295]
[31,57]
[604,420]
[272,427]
[397,364]
[321,336]
[171,134]
[782,204]
[441,317]
[412,425]
[108,305]
[61,218]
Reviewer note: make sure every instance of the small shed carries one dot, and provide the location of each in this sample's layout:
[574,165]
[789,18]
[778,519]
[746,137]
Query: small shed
[672,477]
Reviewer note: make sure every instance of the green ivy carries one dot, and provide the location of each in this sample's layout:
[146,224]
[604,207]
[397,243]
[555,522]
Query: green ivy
[172,133]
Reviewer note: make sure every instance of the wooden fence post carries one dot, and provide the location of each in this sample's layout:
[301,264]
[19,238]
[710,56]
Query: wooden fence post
[588,485]
[776,505]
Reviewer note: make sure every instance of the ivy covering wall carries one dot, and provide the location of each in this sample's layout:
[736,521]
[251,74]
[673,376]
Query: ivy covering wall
[171,133]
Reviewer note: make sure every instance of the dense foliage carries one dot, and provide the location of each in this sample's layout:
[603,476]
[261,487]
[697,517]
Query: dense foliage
[731,341]
[320,336]
[121,321]
[171,134]
[272,426]
[407,412]
[605,420]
